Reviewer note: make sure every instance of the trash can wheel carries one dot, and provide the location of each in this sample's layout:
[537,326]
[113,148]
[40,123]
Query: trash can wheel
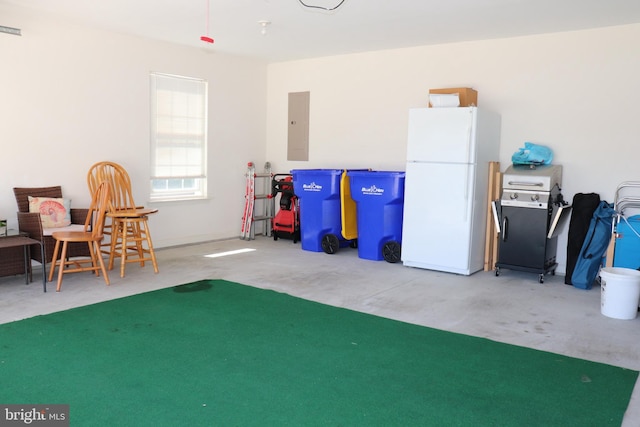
[330,243]
[391,252]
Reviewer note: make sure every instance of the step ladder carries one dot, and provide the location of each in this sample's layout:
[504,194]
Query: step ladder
[263,210]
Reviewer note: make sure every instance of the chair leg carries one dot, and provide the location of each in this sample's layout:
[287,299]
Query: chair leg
[101,262]
[62,265]
[107,232]
[150,244]
[137,231]
[115,236]
[54,260]
[123,247]
[94,261]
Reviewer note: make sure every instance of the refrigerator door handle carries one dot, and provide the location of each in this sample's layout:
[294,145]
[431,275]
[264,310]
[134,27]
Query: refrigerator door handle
[466,195]
[469,160]
[469,134]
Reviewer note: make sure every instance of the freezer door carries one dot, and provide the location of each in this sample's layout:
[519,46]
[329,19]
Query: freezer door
[438,232]
[442,135]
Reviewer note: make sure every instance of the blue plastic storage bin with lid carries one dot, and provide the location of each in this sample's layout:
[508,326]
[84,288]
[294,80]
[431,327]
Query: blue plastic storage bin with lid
[379,197]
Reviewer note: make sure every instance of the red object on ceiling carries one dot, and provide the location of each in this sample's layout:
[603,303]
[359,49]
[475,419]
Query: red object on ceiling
[206,38]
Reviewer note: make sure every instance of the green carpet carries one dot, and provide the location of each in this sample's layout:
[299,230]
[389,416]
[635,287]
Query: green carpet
[216,353]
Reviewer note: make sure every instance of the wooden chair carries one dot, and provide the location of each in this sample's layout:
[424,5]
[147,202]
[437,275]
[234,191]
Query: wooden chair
[92,236]
[98,173]
[30,222]
[130,239]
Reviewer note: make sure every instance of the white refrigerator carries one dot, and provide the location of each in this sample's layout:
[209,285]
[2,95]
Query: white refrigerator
[445,199]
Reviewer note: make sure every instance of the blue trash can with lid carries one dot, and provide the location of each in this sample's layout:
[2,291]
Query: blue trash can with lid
[379,197]
[318,191]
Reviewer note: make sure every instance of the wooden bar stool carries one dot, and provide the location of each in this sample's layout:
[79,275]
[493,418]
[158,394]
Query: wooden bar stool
[130,233]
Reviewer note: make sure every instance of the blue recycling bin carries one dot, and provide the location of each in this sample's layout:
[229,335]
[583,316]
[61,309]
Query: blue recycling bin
[379,197]
[318,191]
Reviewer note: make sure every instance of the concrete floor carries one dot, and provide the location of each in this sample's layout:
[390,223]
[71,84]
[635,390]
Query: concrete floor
[513,308]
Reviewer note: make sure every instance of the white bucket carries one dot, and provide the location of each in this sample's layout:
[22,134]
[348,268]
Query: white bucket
[620,292]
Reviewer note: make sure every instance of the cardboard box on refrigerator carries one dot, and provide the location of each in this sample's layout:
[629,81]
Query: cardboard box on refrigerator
[468,97]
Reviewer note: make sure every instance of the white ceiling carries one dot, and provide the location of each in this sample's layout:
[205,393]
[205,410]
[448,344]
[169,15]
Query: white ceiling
[298,32]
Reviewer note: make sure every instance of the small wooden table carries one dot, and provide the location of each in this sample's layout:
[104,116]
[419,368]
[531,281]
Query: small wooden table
[17,240]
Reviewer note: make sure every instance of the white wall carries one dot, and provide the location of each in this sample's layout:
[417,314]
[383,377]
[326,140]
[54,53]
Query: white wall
[575,92]
[71,96]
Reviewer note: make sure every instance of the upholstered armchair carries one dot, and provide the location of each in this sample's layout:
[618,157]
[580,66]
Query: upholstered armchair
[32,223]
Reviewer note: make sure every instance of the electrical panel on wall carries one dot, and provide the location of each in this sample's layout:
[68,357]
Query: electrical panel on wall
[298,126]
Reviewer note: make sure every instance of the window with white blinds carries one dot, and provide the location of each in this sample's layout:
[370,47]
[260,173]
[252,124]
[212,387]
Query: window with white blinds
[178,137]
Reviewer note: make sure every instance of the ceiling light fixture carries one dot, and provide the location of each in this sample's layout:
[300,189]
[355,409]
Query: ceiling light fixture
[206,38]
[264,24]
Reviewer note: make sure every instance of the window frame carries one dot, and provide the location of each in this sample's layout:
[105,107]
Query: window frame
[178,137]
